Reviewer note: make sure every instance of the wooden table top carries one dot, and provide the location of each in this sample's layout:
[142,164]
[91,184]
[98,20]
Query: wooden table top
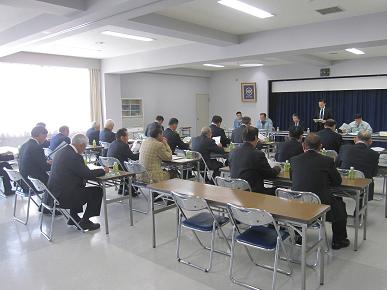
[112,176]
[91,148]
[280,208]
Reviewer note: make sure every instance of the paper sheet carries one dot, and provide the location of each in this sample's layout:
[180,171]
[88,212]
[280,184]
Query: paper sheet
[216,139]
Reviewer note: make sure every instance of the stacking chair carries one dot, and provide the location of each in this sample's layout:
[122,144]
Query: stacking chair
[203,220]
[52,208]
[134,167]
[259,235]
[19,181]
[331,153]
[109,162]
[203,173]
[105,146]
[233,183]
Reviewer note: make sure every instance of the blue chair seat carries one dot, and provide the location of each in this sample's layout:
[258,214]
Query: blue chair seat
[262,237]
[203,221]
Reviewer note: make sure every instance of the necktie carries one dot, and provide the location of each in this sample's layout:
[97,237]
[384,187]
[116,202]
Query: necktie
[322,114]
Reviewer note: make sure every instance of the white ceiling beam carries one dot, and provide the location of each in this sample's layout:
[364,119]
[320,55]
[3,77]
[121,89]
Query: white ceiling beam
[158,24]
[49,6]
[333,35]
[307,59]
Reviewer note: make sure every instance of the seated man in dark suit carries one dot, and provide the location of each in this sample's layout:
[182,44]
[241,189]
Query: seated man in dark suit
[217,131]
[173,138]
[4,164]
[291,147]
[205,145]
[251,164]
[296,123]
[93,133]
[62,136]
[315,173]
[32,161]
[237,133]
[68,183]
[361,157]
[158,121]
[330,140]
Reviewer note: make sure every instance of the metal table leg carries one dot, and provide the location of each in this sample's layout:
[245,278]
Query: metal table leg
[105,207]
[153,220]
[357,218]
[366,193]
[303,258]
[385,195]
[129,184]
[198,170]
[321,250]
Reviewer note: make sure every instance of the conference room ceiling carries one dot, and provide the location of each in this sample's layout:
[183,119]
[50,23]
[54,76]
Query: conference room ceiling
[374,51]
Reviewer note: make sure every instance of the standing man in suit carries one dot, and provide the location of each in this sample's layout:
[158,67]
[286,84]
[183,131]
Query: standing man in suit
[315,173]
[323,112]
[107,134]
[291,147]
[68,183]
[264,123]
[62,136]
[237,134]
[250,164]
[217,131]
[205,145]
[361,157]
[330,140]
[173,138]
[93,133]
[153,151]
[238,120]
[32,161]
[296,123]
[158,121]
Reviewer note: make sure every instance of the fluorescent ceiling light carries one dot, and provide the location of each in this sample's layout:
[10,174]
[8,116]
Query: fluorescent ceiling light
[213,65]
[355,51]
[246,8]
[128,36]
[250,64]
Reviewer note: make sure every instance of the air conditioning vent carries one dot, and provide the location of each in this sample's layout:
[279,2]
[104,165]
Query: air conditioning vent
[329,10]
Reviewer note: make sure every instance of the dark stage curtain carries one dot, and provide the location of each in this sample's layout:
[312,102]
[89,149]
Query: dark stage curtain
[372,104]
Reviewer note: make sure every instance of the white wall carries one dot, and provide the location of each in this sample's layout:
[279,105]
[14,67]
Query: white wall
[225,92]
[166,95]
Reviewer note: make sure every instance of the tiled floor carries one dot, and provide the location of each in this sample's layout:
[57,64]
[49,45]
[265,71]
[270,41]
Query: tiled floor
[126,260]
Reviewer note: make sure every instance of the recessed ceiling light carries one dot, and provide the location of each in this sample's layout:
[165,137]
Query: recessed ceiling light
[128,36]
[355,51]
[246,8]
[213,65]
[250,64]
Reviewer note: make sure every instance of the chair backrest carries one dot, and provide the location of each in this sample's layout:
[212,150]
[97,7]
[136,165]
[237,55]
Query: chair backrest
[189,202]
[41,187]
[308,197]
[358,173]
[105,145]
[233,183]
[250,216]
[383,160]
[14,175]
[331,153]
[108,161]
[198,156]
[38,184]
[134,167]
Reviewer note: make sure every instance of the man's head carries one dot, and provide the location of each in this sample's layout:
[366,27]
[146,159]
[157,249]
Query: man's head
[96,126]
[41,124]
[262,116]
[239,115]
[246,121]
[296,118]
[364,137]
[217,120]
[312,142]
[331,124]
[156,132]
[296,133]
[122,135]
[250,134]
[173,122]
[358,118]
[65,130]
[109,124]
[39,133]
[160,119]
[321,104]
[80,141]
[206,131]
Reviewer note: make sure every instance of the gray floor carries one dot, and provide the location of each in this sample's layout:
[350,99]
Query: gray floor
[126,260]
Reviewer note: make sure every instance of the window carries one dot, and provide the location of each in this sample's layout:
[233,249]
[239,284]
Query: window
[53,95]
[132,116]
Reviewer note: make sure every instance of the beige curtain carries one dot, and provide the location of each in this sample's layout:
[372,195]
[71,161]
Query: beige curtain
[95,95]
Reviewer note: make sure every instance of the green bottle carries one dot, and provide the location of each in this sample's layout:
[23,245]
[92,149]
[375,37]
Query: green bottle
[94,143]
[115,167]
[188,154]
[351,173]
[323,152]
[287,166]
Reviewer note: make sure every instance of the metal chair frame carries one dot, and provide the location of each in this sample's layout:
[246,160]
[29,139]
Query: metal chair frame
[18,180]
[255,217]
[195,204]
[233,183]
[108,162]
[206,171]
[56,206]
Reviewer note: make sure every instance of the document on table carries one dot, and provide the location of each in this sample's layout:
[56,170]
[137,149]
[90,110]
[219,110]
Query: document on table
[261,137]
[216,139]
[345,127]
[378,149]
